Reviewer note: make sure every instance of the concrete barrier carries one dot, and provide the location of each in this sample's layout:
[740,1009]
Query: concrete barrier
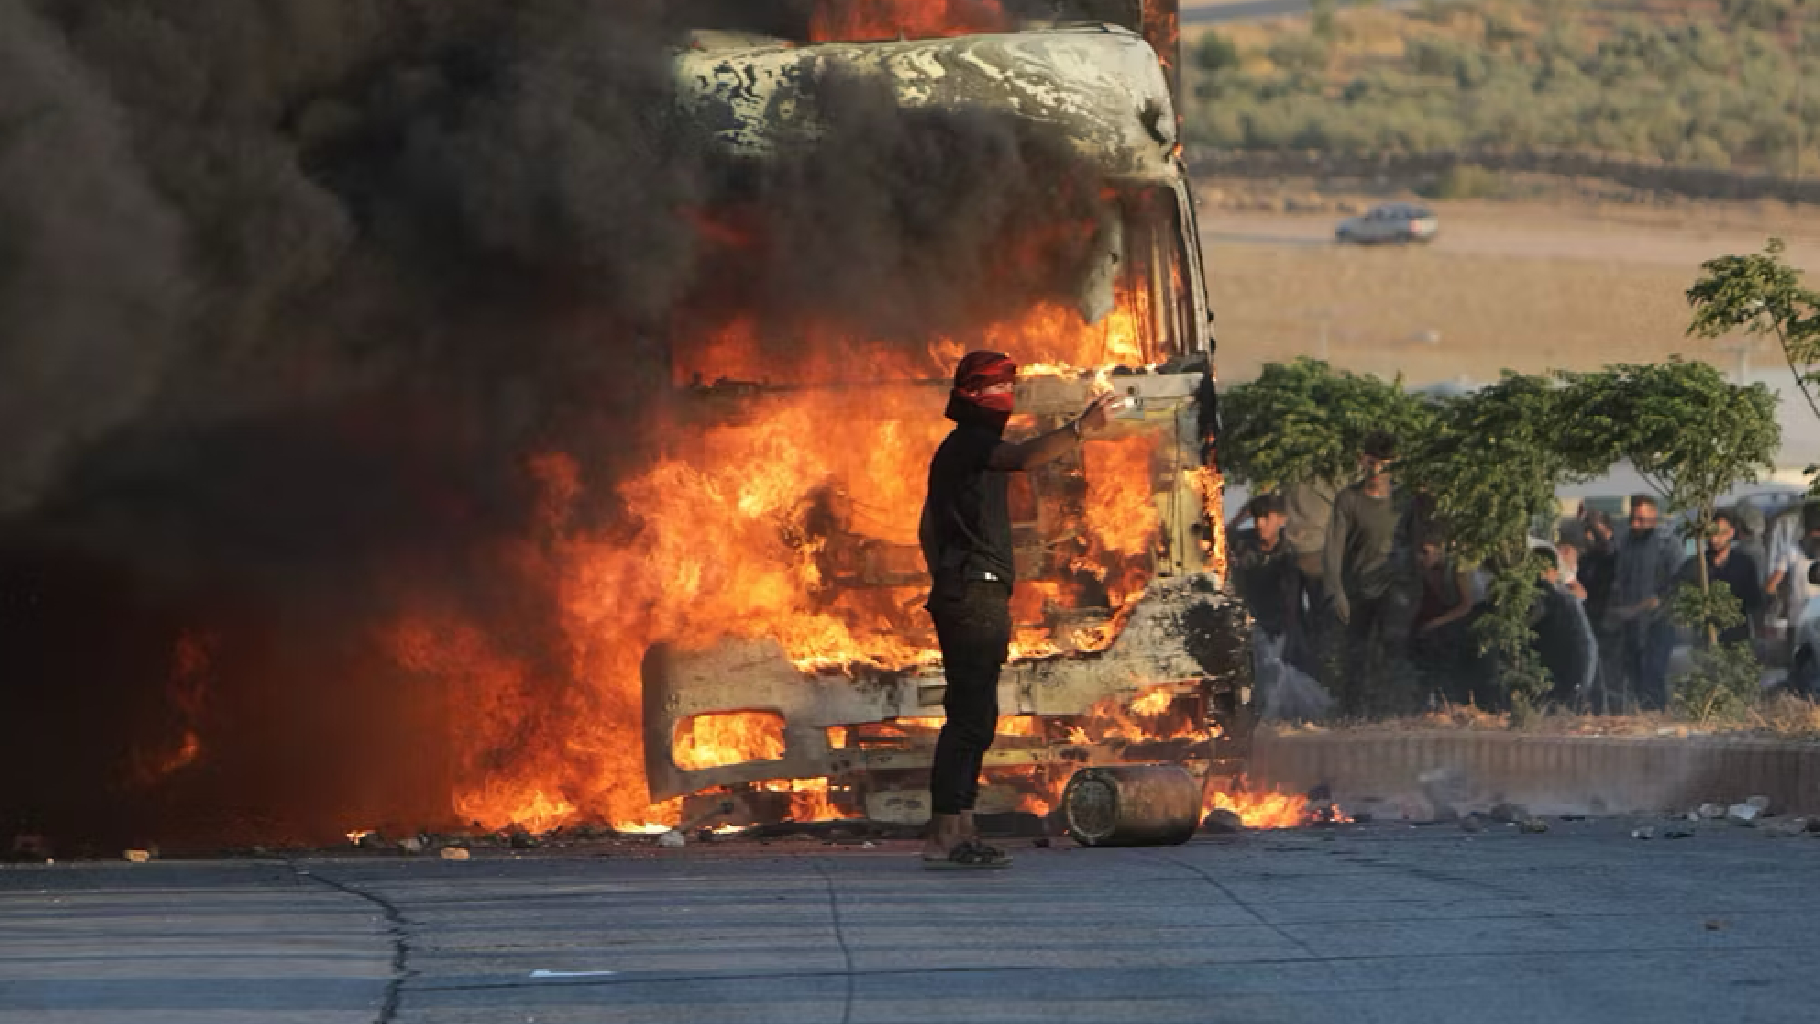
[1550,774]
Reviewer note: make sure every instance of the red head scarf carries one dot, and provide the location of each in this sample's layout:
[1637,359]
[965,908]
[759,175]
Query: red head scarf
[985,379]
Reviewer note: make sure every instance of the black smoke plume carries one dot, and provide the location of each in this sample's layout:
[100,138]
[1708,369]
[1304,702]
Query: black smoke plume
[290,290]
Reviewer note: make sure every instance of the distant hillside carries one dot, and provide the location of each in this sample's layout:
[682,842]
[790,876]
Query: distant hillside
[1694,82]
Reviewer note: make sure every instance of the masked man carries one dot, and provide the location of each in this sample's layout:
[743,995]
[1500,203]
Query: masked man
[966,541]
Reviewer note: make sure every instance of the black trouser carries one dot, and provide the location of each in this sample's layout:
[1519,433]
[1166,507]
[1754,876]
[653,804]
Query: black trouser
[973,624]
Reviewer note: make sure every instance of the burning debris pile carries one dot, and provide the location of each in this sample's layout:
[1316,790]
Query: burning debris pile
[380,381]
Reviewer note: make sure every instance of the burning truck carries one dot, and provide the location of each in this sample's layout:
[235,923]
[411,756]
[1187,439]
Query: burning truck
[606,515]
[1127,646]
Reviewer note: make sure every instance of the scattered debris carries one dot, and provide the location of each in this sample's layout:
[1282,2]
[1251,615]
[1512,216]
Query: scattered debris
[1446,789]
[1677,831]
[671,840]
[1532,826]
[1713,924]
[1472,823]
[1761,803]
[1787,827]
[455,853]
[411,844]
[138,856]
[1509,813]
[1221,821]
[1743,814]
[1711,811]
[1646,832]
[30,847]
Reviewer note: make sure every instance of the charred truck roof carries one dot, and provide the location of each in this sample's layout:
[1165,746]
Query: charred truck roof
[1101,84]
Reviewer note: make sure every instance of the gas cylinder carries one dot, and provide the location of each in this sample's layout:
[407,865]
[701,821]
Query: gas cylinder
[1132,805]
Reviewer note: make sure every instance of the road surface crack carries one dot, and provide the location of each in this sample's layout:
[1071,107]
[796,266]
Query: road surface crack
[397,929]
[840,936]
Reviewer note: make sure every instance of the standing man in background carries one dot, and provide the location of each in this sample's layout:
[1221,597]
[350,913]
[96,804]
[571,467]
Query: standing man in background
[1649,563]
[1361,578]
[966,541]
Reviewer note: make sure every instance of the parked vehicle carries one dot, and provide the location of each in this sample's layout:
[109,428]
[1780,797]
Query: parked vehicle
[1392,222]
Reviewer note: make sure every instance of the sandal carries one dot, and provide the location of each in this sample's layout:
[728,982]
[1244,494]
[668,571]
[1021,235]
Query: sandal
[971,854]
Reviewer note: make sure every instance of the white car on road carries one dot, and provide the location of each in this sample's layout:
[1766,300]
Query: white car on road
[1392,222]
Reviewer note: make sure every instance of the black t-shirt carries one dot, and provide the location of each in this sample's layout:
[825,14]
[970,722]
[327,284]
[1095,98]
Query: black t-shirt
[1740,574]
[1267,580]
[966,525]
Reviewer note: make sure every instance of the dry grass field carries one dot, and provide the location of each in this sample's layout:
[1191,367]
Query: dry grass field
[1527,286]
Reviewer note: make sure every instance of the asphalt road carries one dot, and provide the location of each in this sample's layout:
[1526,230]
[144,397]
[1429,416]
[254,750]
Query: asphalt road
[1385,922]
[1558,238]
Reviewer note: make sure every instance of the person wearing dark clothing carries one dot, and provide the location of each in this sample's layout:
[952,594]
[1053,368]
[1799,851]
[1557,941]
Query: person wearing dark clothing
[1649,567]
[966,540]
[1263,567]
[1598,566]
[1361,580]
[1597,571]
[1732,567]
[1564,637]
[1441,646]
[1750,539]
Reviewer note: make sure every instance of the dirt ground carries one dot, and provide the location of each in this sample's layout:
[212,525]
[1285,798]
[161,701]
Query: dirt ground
[1521,285]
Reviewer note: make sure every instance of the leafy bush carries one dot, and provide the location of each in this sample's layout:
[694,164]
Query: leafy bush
[1466,181]
[1723,685]
[1298,53]
[1305,420]
[1714,94]
[1766,15]
[1216,52]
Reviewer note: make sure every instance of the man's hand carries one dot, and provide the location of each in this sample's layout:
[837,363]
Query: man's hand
[1342,610]
[1093,418]
[1014,455]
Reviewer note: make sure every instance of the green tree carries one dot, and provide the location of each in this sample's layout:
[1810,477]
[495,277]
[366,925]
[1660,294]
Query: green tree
[1487,467]
[1688,431]
[1304,420]
[1761,295]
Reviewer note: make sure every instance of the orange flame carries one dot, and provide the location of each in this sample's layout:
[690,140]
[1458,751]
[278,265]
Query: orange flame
[186,689]
[809,799]
[709,741]
[1269,810]
[865,20]
[1151,704]
[770,515]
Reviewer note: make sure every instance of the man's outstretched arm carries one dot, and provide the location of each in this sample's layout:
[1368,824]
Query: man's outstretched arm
[1016,455]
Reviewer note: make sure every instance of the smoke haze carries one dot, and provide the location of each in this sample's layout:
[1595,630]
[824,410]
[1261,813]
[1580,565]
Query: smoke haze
[290,293]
